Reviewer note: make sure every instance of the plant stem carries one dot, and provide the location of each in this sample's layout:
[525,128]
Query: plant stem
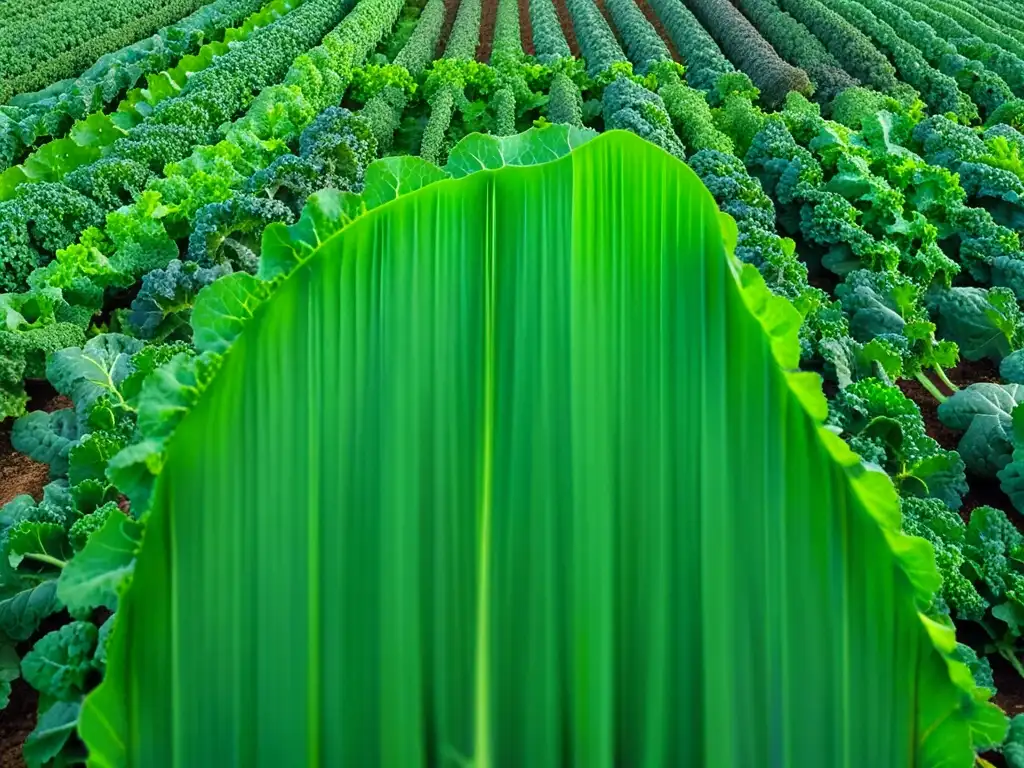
[927,384]
[43,558]
[945,379]
[1007,653]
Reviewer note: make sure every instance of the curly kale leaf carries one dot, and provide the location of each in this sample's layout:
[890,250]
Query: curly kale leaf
[830,221]
[60,663]
[102,566]
[1013,746]
[342,145]
[887,307]
[999,191]
[933,520]
[23,354]
[993,552]
[632,107]
[10,670]
[946,143]
[45,746]
[85,526]
[783,167]
[882,417]
[334,152]
[289,179]
[162,308]
[230,232]
[980,668]
[145,361]
[879,303]
[96,369]
[111,181]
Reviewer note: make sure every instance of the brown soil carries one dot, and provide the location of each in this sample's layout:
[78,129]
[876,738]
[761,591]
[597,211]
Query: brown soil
[19,474]
[1010,697]
[659,28]
[821,279]
[17,723]
[526,28]
[964,374]
[565,19]
[488,16]
[451,7]
[19,719]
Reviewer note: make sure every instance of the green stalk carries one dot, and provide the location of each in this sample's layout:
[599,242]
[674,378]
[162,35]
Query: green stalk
[1005,649]
[945,379]
[43,558]
[927,384]
[1007,653]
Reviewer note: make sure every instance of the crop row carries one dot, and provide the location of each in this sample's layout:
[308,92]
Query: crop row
[74,34]
[90,136]
[51,111]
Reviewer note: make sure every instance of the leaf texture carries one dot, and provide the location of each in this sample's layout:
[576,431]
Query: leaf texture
[512,471]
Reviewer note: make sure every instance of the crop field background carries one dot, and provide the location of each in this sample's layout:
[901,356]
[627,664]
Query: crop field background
[870,152]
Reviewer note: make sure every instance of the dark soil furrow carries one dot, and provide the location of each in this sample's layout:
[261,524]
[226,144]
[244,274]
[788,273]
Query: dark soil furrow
[16,723]
[451,7]
[488,15]
[18,473]
[525,28]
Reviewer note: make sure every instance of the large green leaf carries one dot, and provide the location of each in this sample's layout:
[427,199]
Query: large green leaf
[94,577]
[513,471]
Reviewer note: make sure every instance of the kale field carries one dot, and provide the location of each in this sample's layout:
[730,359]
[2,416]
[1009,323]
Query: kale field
[544,290]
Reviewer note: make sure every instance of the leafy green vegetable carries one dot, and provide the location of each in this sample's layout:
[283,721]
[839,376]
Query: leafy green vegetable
[933,520]
[994,550]
[162,308]
[537,145]
[61,661]
[983,412]
[980,667]
[983,323]
[47,437]
[55,727]
[23,609]
[96,574]
[85,374]
[519,280]
[38,541]
[886,427]
[1011,368]
[1013,747]
[10,670]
